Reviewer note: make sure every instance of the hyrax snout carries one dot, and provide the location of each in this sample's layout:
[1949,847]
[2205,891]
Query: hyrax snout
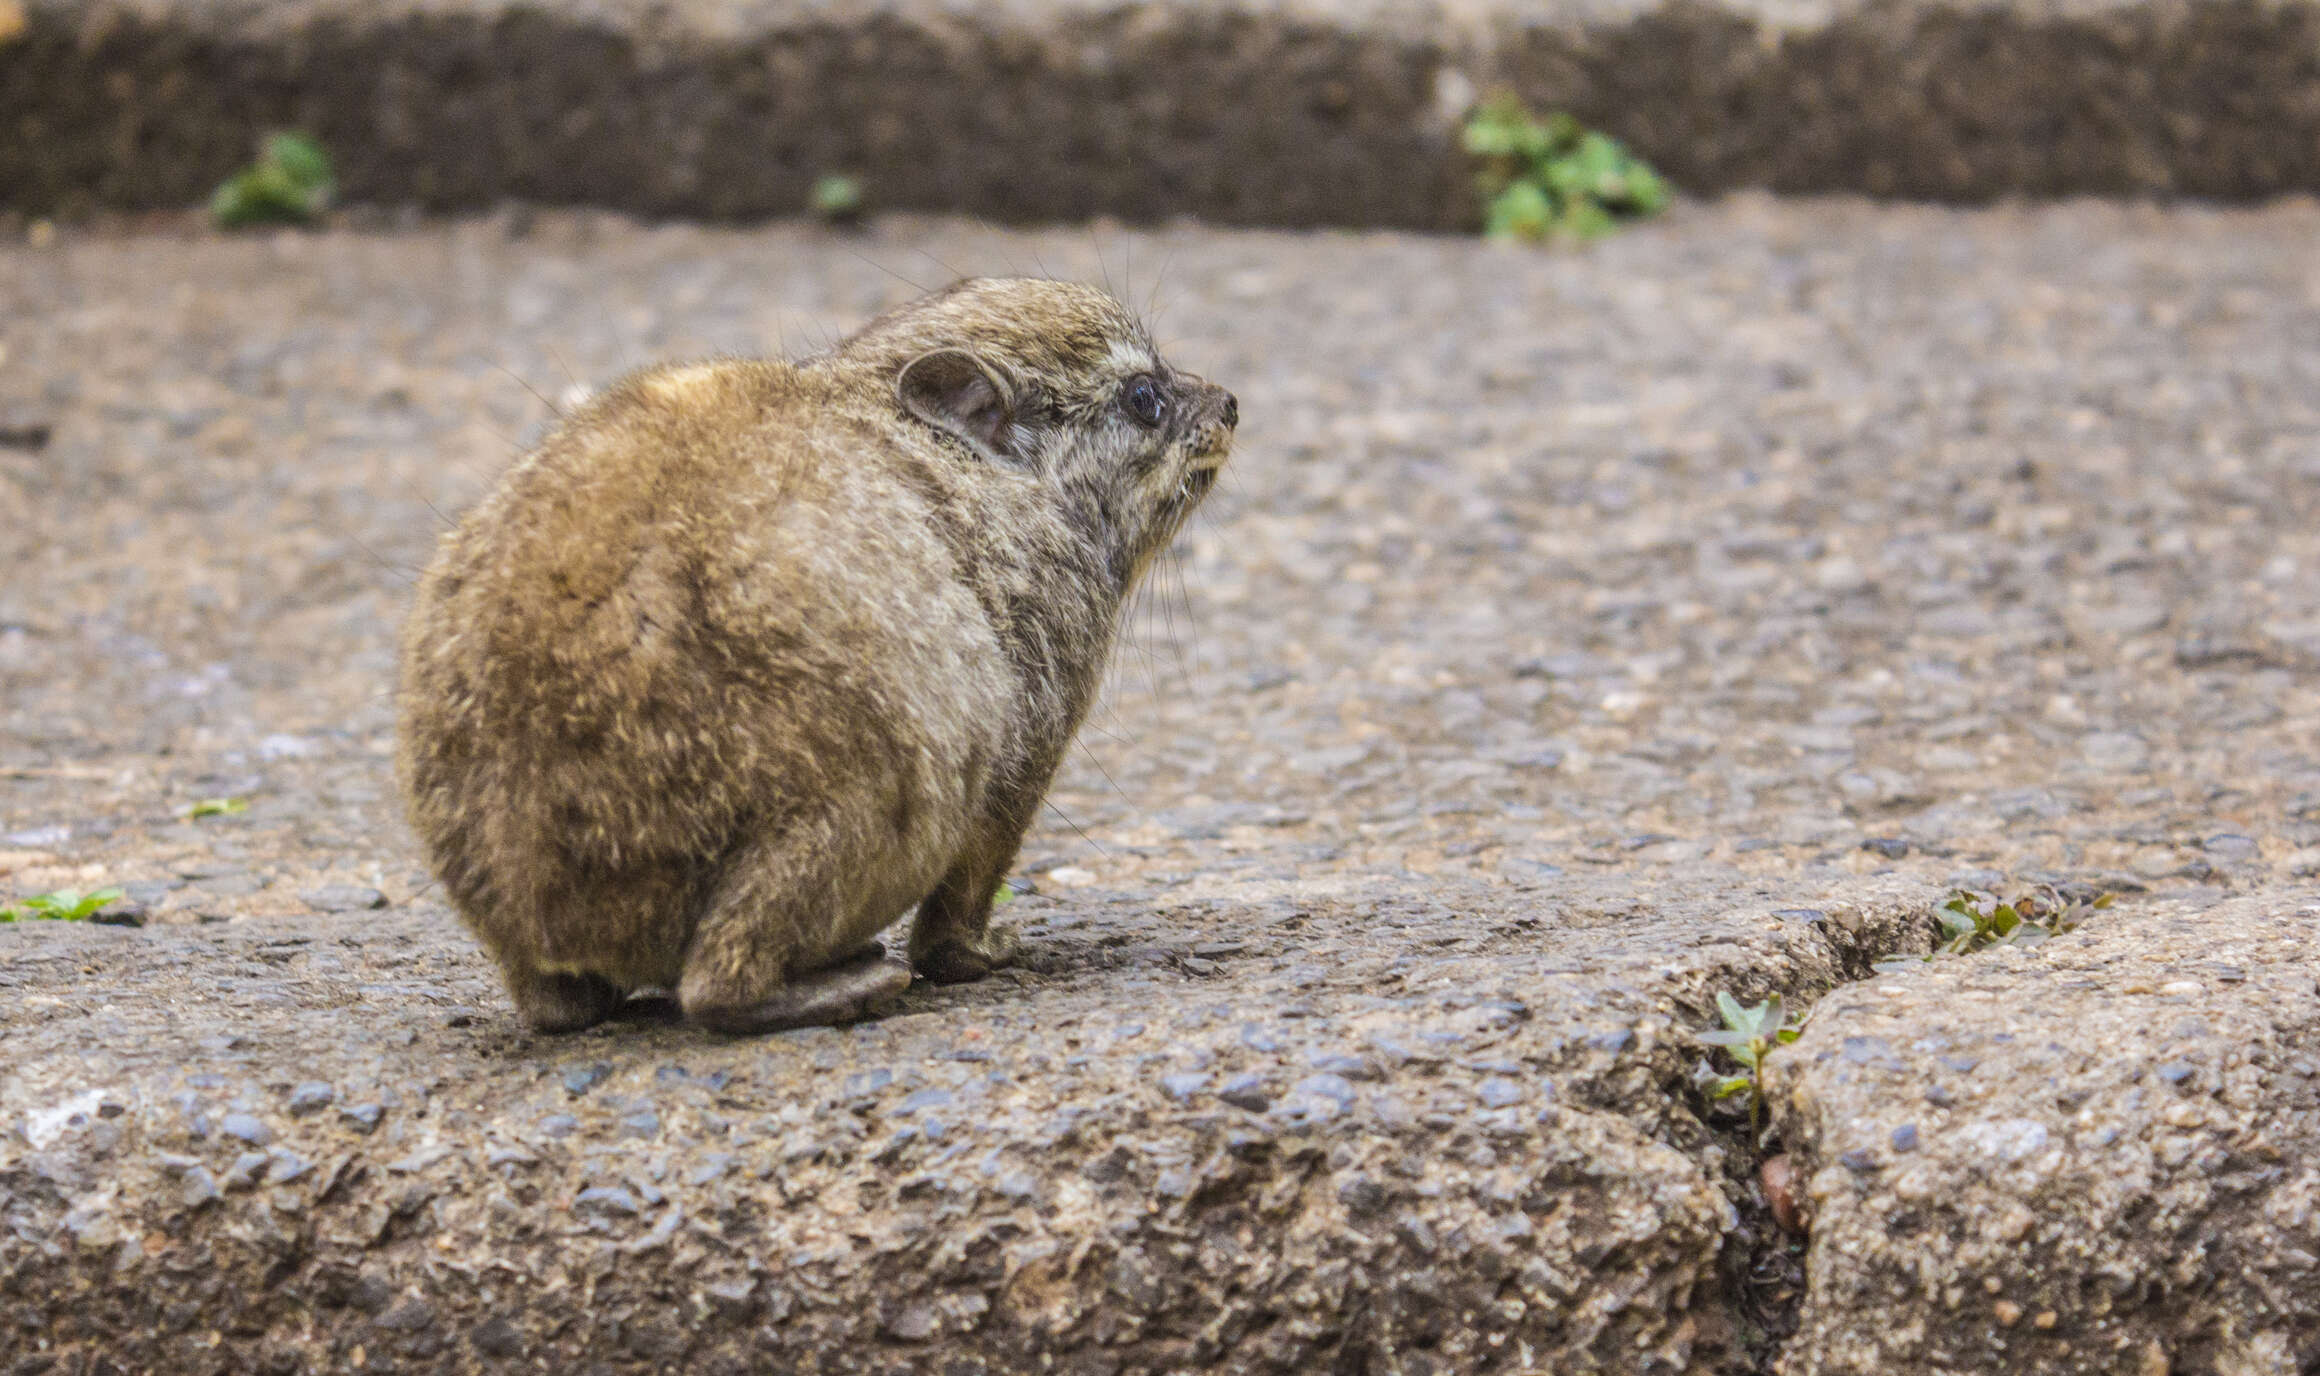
[748,659]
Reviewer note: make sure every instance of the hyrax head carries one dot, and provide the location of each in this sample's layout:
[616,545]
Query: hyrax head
[1059,382]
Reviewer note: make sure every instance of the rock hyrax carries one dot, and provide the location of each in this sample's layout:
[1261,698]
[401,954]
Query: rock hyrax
[750,658]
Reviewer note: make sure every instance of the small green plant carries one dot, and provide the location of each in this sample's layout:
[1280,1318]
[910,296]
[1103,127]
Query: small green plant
[1748,1036]
[217,807]
[1973,920]
[837,198]
[1003,895]
[1544,178]
[64,905]
[290,183]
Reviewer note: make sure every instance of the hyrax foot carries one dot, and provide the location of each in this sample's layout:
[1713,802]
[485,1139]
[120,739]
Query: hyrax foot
[563,1003]
[961,960]
[864,987]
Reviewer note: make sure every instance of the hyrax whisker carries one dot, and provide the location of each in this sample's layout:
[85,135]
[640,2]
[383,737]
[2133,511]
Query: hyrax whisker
[1191,616]
[1093,844]
[1091,758]
[922,251]
[748,658]
[553,408]
[894,273]
[570,378]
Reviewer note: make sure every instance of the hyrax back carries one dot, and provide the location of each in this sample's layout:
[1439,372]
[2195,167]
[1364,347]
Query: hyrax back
[750,658]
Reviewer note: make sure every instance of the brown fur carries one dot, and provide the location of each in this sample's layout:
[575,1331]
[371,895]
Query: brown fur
[749,658]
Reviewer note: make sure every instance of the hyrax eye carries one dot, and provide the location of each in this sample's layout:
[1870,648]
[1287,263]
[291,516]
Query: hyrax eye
[1143,400]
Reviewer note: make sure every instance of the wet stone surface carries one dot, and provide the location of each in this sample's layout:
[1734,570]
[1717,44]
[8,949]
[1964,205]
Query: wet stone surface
[1575,636]
[2060,1187]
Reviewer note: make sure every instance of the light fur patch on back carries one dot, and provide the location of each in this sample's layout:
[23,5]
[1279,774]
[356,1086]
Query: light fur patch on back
[683,384]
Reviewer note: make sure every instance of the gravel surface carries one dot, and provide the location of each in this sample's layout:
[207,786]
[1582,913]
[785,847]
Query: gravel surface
[1574,631]
[1753,536]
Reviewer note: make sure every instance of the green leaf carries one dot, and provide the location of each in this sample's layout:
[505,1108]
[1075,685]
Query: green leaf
[836,196]
[1724,1038]
[1587,219]
[1728,1008]
[258,196]
[63,905]
[1522,211]
[1958,923]
[1730,1085]
[1498,130]
[291,182]
[218,807]
[1758,1020]
[300,157]
[1646,193]
[1602,163]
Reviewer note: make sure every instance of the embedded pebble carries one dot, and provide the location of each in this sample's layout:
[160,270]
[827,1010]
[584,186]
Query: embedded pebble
[1184,1084]
[1498,1092]
[246,1128]
[197,1187]
[606,1201]
[342,898]
[1246,1091]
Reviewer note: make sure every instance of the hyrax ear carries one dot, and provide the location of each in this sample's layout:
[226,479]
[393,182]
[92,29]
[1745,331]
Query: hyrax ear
[954,390]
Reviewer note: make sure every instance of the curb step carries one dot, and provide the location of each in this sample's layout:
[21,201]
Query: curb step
[1238,112]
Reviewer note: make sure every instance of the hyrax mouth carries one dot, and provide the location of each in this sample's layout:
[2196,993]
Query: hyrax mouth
[1194,485]
[1212,448]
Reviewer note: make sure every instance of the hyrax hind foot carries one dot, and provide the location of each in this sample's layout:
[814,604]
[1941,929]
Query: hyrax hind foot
[563,1003]
[865,985]
[963,960]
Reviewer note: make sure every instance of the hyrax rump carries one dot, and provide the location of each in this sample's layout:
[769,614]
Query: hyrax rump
[749,658]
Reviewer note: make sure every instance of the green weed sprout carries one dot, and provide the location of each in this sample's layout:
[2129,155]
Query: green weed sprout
[1748,1036]
[290,183]
[64,905]
[1553,177]
[836,198]
[217,807]
[1973,920]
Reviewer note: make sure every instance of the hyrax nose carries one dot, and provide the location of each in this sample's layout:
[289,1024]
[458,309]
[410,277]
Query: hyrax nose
[1232,411]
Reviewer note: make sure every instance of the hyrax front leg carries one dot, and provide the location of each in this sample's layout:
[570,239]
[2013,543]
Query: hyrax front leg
[952,940]
[771,953]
